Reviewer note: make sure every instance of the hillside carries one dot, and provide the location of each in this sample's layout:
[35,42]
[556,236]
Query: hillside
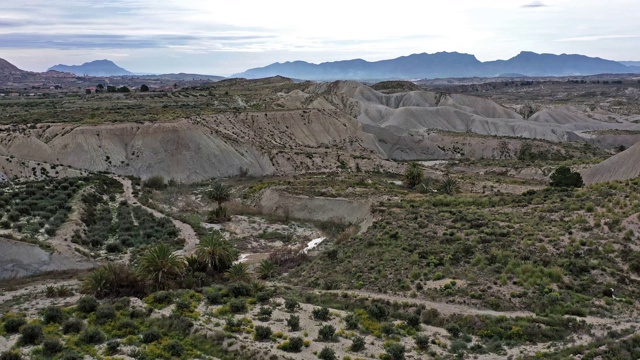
[7,67]
[441,65]
[622,166]
[92,68]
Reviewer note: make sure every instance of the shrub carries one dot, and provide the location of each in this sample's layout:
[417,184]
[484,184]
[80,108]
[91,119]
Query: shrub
[87,304]
[294,344]
[422,342]
[453,329]
[388,329]
[239,289]
[237,306]
[10,355]
[112,347]
[92,336]
[293,322]
[352,322]
[321,314]
[264,314]
[395,351]
[71,355]
[174,348]
[53,314]
[291,305]
[564,177]
[357,344]
[155,182]
[105,313]
[264,296]
[114,247]
[262,333]
[72,326]
[327,353]
[327,333]
[31,334]
[413,175]
[413,321]
[150,335]
[50,347]
[213,296]
[13,324]
[377,311]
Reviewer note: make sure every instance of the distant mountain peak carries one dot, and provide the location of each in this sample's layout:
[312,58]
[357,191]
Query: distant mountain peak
[102,67]
[7,67]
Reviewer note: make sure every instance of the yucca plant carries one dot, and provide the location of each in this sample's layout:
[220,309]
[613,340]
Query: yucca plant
[217,253]
[113,280]
[450,186]
[238,272]
[267,269]
[161,266]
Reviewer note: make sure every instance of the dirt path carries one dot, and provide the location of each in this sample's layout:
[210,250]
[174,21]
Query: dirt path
[448,309]
[61,241]
[186,231]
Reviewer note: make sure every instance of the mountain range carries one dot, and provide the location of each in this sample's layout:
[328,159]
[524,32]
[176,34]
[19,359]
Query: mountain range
[93,68]
[443,65]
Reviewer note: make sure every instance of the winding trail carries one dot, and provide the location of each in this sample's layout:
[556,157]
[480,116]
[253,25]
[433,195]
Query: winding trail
[186,231]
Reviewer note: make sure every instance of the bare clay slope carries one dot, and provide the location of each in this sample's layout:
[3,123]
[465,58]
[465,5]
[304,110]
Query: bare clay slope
[422,111]
[201,148]
[622,166]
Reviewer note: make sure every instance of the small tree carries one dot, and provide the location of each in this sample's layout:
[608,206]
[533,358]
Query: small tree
[144,88]
[564,177]
[413,175]
[219,193]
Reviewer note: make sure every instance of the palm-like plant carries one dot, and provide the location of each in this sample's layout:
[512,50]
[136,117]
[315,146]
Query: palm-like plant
[219,193]
[161,266]
[238,272]
[217,253]
[413,175]
[267,269]
[450,186]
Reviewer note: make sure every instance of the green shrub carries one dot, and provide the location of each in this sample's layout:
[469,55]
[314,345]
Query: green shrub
[294,344]
[155,182]
[293,322]
[321,314]
[50,347]
[377,311]
[264,296]
[327,333]
[53,314]
[327,353]
[351,322]
[112,347]
[10,355]
[105,313]
[237,306]
[150,335]
[13,324]
[422,342]
[71,355]
[395,351]
[31,334]
[87,304]
[262,333]
[91,336]
[162,298]
[291,305]
[174,348]
[72,326]
[357,344]
[240,289]
[264,314]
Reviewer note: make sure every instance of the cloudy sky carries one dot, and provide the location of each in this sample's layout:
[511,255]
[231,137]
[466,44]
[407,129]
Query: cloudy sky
[225,37]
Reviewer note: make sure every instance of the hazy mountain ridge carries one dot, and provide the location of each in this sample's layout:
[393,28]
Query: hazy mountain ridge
[93,68]
[442,64]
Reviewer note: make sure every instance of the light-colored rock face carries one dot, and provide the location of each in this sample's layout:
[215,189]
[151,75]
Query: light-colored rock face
[325,126]
[206,147]
[622,166]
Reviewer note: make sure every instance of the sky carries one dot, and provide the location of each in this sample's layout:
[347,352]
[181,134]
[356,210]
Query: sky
[226,37]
